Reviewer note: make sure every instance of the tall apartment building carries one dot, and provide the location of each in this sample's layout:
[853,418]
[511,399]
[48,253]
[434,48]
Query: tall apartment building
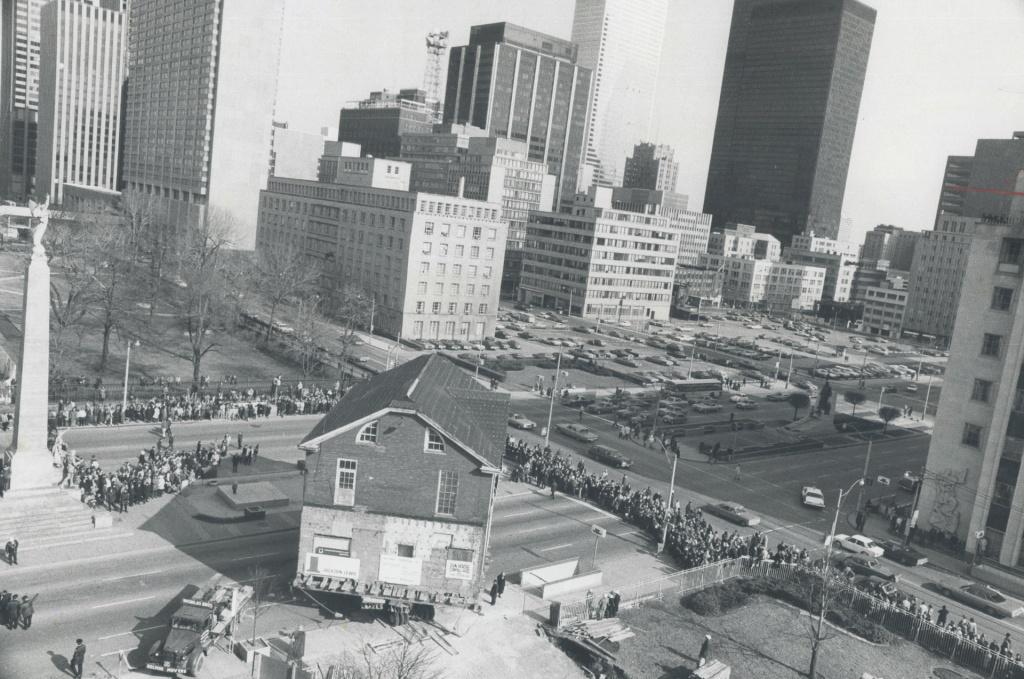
[378,122]
[19,96]
[973,485]
[620,41]
[431,262]
[694,227]
[200,106]
[600,263]
[891,243]
[466,162]
[936,274]
[993,175]
[838,258]
[955,181]
[521,84]
[80,84]
[794,71]
[651,167]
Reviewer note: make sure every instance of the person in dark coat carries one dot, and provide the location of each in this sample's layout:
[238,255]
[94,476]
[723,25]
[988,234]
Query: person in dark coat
[705,651]
[13,611]
[501,583]
[78,659]
[27,611]
[4,597]
[494,591]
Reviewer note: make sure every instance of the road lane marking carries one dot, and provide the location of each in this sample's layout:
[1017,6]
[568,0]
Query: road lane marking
[589,506]
[48,545]
[551,549]
[509,516]
[133,575]
[503,497]
[126,601]
[257,556]
[134,631]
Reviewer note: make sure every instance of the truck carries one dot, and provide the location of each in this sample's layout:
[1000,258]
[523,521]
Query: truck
[193,628]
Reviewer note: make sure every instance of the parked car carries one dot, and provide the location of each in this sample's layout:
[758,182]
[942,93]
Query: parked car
[578,432]
[875,585]
[521,422]
[984,598]
[812,497]
[858,544]
[632,363]
[908,556]
[705,408]
[731,511]
[746,405]
[861,564]
[909,482]
[610,457]
[777,396]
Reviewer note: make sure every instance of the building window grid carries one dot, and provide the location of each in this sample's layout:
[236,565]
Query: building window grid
[447,491]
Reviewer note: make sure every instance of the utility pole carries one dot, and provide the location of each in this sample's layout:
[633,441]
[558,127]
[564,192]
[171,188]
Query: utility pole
[551,404]
[913,509]
[927,395]
[373,308]
[790,372]
[668,505]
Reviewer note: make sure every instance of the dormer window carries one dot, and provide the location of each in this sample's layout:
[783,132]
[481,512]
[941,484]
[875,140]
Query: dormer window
[435,444]
[368,434]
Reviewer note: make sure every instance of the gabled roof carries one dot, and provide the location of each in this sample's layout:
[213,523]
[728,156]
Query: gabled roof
[437,388]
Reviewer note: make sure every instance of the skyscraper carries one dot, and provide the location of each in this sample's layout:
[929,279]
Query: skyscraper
[19,98]
[378,122]
[200,105]
[651,167]
[620,41]
[517,83]
[80,77]
[791,88]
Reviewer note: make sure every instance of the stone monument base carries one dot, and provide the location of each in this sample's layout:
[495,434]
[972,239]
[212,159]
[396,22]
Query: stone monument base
[32,469]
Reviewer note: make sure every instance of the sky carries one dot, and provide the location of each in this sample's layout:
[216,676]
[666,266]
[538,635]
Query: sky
[942,74]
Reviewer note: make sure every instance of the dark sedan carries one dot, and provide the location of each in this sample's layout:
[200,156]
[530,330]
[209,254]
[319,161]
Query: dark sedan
[908,556]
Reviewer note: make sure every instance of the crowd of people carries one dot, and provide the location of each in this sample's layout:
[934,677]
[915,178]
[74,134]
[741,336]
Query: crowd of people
[158,470]
[222,404]
[690,539]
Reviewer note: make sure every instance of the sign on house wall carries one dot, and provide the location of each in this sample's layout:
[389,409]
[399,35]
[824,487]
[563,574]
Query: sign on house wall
[332,566]
[458,570]
[400,570]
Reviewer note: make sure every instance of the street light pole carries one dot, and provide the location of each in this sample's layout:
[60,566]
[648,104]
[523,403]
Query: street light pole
[828,557]
[551,404]
[927,394]
[127,363]
[693,350]
[789,373]
[668,506]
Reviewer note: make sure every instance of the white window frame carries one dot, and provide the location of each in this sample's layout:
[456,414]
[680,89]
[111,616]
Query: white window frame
[345,496]
[455,494]
[427,442]
[365,431]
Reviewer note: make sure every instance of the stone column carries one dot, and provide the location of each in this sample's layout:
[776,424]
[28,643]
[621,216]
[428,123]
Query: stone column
[33,464]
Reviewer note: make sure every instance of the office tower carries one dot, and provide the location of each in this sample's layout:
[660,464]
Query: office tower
[199,111]
[431,262]
[838,258]
[521,84]
[955,180]
[378,122]
[620,42]
[651,167]
[568,264]
[794,71]
[463,161]
[694,227]
[973,487]
[81,74]
[891,243]
[19,98]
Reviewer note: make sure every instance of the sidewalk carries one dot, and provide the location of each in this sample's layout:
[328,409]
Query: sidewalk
[878,527]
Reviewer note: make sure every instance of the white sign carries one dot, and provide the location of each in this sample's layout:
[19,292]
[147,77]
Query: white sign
[323,544]
[979,534]
[884,480]
[333,566]
[458,570]
[598,531]
[400,570]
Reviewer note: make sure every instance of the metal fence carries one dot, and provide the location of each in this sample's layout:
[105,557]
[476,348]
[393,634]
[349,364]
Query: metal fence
[956,648]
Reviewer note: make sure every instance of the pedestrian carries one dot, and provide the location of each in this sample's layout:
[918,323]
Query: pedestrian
[4,597]
[494,591]
[705,651]
[78,659]
[13,610]
[943,615]
[501,583]
[27,611]
[581,413]
[590,604]
[235,460]
[737,472]
[239,439]
[12,552]
[602,606]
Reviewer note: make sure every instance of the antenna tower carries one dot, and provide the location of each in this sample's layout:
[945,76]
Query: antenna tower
[437,45]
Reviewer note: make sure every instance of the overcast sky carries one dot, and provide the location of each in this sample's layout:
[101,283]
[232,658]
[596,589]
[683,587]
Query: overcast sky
[942,74]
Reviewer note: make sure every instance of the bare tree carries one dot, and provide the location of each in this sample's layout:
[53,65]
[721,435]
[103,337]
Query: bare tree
[820,592]
[71,291]
[280,278]
[109,246]
[404,661]
[310,335]
[353,308]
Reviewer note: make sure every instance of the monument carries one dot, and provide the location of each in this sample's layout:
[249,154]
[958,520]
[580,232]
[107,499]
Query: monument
[32,466]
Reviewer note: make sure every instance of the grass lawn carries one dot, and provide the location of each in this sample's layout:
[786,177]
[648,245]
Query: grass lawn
[762,640]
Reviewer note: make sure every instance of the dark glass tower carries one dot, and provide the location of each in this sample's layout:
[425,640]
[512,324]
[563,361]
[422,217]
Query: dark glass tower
[794,71]
[521,84]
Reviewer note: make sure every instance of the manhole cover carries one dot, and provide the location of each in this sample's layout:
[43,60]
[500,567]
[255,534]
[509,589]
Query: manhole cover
[943,673]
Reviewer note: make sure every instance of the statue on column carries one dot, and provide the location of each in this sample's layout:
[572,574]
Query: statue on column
[41,216]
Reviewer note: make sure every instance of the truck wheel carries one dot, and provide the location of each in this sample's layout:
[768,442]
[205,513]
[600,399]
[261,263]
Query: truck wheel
[196,665]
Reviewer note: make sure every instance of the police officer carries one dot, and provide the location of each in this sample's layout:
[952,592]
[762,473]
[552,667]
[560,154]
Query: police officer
[78,659]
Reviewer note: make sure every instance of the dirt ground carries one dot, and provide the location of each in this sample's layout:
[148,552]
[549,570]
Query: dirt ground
[763,640]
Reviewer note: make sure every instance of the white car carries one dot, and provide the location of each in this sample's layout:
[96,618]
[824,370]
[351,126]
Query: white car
[858,544]
[812,497]
[521,422]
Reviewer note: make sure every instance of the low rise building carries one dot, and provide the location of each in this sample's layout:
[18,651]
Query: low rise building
[838,258]
[694,227]
[378,122]
[399,492]
[884,308]
[599,262]
[432,263]
[742,240]
[765,283]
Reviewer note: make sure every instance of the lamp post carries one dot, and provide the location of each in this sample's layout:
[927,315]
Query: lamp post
[927,395]
[867,457]
[551,404]
[127,364]
[668,505]
[828,554]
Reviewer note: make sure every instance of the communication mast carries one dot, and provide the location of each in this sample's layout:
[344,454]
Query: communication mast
[437,45]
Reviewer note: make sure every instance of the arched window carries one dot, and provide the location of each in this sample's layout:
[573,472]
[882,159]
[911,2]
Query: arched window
[368,434]
[435,444]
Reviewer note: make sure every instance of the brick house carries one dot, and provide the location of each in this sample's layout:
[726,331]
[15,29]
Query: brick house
[400,487]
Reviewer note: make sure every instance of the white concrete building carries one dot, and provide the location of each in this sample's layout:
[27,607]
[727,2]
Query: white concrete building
[884,309]
[838,258]
[599,262]
[80,77]
[432,263]
[742,240]
[621,42]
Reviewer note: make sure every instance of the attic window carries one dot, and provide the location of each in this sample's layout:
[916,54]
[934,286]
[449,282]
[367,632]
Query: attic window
[435,444]
[368,434]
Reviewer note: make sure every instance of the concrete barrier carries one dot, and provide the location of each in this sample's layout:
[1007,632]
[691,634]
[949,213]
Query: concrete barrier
[568,585]
[549,572]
